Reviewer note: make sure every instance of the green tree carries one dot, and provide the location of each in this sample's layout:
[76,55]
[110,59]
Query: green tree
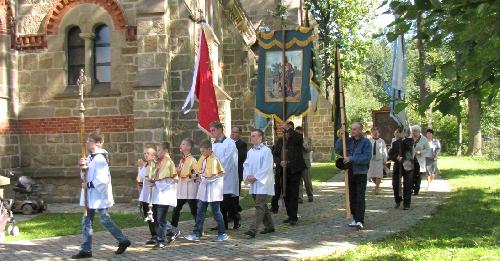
[340,22]
[469,29]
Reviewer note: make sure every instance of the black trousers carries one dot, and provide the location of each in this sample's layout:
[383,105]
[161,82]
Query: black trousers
[407,185]
[177,210]
[153,226]
[229,209]
[277,189]
[417,178]
[237,199]
[357,189]
[292,193]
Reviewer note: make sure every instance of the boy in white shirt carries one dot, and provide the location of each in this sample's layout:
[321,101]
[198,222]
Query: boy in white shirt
[99,197]
[209,192]
[187,185]
[164,194]
[145,195]
[258,174]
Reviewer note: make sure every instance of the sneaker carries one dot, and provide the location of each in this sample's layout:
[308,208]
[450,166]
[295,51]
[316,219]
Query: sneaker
[352,224]
[122,247]
[267,231]
[359,225]
[192,237]
[222,237]
[406,207]
[249,234]
[301,201]
[397,205]
[286,220]
[310,199]
[81,255]
[159,245]
[173,236]
[293,222]
[150,242]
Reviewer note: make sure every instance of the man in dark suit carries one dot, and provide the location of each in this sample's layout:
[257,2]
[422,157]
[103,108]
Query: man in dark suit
[241,146]
[294,165]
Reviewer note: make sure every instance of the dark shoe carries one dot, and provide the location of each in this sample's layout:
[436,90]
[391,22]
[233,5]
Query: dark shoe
[250,234]
[293,222]
[237,224]
[122,247]
[267,231]
[286,220]
[158,246]
[152,241]
[310,199]
[214,228]
[301,201]
[397,205]
[81,255]
[415,193]
[406,207]
[274,211]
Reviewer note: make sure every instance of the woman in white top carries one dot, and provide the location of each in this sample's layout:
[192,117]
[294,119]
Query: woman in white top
[379,159]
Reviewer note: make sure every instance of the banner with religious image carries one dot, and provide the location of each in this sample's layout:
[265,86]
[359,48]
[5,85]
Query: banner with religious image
[300,87]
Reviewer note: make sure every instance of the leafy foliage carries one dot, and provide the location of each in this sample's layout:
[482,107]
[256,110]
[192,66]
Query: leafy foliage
[340,22]
[467,30]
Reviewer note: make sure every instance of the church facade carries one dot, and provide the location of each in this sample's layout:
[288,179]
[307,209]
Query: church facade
[139,57]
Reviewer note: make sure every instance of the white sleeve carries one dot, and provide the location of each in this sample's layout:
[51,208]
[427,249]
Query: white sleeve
[101,175]
[265,166]
[246,166]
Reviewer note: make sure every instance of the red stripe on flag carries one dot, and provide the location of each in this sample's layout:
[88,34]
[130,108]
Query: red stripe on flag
[208,110]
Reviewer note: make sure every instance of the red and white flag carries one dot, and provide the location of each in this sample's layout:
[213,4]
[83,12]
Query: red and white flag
[202,88]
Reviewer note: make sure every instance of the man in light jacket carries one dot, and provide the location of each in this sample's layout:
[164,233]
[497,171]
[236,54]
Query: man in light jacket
[258,175]
[420,150]
[99,197]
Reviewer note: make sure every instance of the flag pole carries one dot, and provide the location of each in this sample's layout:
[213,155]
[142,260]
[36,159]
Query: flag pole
[343,124]
[283,92]
[81,82]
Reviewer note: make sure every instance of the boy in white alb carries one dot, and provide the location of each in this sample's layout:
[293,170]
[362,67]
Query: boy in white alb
[209,192]
[164,194]
[145,196]
[187,185]
[99,197]
[258,174]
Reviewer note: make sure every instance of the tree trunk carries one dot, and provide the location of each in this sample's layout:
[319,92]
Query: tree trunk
[460,135]
[474,125]
[422,80]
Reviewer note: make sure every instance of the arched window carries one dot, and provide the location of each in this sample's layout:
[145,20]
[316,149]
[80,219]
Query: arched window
[76,54]
[102,55]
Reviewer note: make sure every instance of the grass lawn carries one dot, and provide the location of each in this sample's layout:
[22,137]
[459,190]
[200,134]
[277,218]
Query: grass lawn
[465,227]
[61,224]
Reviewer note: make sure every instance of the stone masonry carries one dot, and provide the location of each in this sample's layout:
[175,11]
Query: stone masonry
[153,45]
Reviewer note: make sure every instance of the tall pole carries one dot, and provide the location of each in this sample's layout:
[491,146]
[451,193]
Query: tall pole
[283,92]
[82,81]
[344,126]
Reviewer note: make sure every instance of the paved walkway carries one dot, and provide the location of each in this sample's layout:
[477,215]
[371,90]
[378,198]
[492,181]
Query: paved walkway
[321,230]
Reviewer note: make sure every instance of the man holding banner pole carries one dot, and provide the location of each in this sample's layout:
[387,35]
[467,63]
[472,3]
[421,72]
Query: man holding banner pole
[357,161]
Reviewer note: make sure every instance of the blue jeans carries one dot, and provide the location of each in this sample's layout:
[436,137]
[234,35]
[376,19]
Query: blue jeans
[106,223]
[164,227]
[200,217]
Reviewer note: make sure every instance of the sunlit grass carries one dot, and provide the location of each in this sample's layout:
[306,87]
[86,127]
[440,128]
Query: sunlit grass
[465,227]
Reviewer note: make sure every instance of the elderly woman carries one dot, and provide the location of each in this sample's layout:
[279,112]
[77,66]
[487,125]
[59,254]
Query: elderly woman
[379,159]
[431,156]
[420,150]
